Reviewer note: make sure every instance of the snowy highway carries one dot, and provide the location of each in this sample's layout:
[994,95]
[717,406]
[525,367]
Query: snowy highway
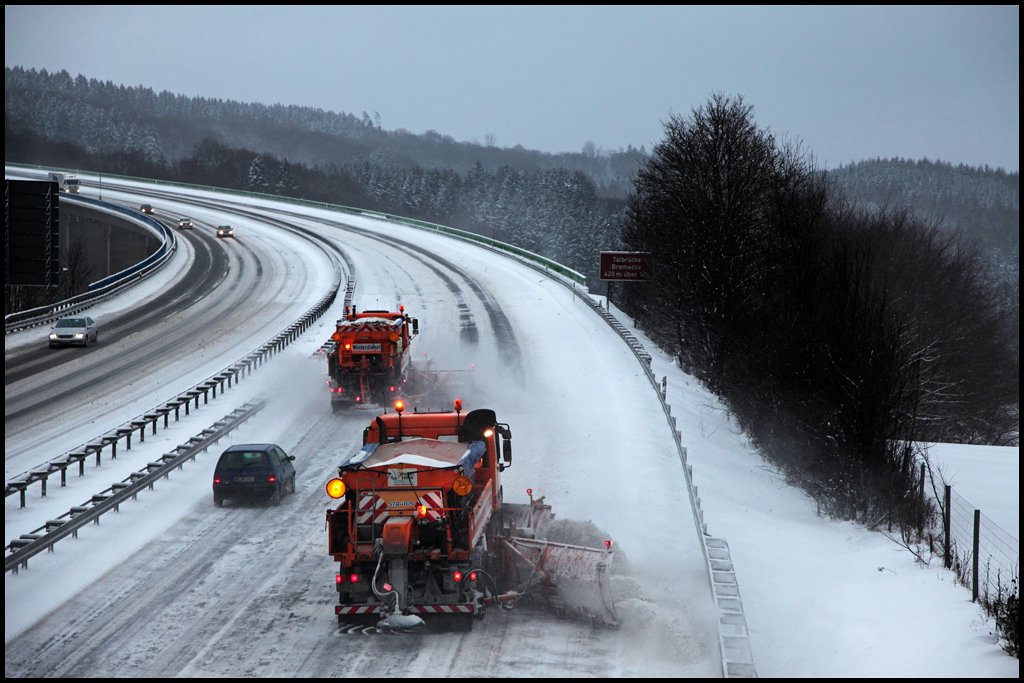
[173,586]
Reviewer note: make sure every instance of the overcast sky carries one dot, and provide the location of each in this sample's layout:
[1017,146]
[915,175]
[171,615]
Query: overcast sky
[849,83]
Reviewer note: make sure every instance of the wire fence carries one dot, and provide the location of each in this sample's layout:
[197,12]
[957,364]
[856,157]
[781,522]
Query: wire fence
[984,557]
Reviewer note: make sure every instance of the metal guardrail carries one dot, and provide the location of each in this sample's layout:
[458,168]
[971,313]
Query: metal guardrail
[733,635]
[737,658]
[29,545]
[106,287]
[545,263]
[204,389]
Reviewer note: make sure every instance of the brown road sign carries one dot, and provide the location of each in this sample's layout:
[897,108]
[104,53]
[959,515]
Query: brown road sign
[625,265]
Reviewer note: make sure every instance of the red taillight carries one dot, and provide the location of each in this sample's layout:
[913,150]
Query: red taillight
[472,576]
[608,544]
[421,510]
[342,578]
[271,478]
[457,576]
[353,578]
[338,578]
[217,480]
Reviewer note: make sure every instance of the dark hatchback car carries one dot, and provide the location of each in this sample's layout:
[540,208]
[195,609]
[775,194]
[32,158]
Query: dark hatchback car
[253,471]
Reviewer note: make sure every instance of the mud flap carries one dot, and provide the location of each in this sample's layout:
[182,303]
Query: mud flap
[574,580]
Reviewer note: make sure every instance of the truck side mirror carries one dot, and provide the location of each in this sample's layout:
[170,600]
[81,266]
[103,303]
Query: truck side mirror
[506,453]
[415,326]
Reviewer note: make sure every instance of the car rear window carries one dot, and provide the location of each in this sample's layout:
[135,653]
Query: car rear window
[236,459]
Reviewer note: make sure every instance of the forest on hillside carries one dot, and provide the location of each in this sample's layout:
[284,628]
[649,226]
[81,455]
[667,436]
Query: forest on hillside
[164,128]
[567,207]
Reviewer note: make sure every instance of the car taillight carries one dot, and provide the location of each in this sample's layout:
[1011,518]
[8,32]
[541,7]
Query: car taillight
[457,576]
[217,480]
[271,478]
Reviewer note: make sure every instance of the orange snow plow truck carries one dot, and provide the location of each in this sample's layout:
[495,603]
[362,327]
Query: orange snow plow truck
[368,359]
[422,536]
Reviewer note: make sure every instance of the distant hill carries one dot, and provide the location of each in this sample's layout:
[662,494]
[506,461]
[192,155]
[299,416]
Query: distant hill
[565,206]
[981,204]
[164,128]
[984,203]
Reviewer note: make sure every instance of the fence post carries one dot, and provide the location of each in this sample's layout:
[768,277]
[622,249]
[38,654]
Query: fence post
[977,543]
[923,508]
[946,524]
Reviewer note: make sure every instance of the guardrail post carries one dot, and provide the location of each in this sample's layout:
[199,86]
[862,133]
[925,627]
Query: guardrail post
[112,440]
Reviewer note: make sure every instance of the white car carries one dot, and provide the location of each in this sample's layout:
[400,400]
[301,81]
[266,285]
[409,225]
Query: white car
[74,331]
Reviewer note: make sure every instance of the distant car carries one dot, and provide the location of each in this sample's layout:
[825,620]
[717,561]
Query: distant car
[185,223]
[225,231]
[253,471]
[74,331]
[146,208]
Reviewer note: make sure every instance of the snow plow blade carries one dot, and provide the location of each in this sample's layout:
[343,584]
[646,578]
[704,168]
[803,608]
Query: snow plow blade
[573,580]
